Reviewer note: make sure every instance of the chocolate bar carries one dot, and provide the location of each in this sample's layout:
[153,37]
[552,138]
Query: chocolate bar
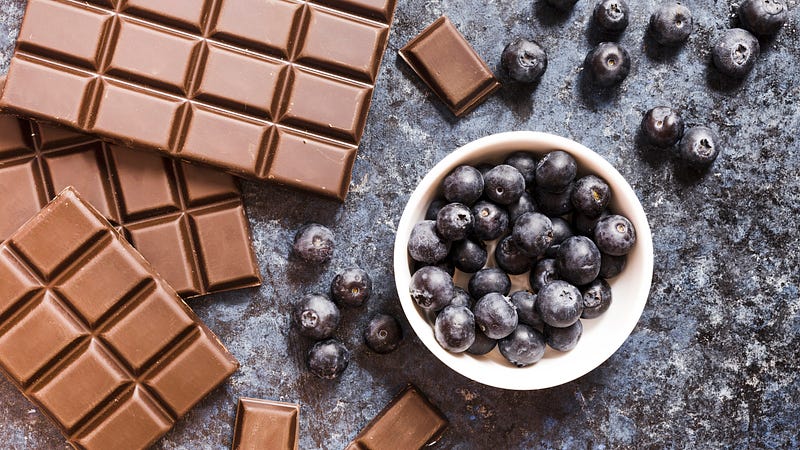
[274,90]
[187,221]
[94,337]
[450,66]
[266,425]
[409,421]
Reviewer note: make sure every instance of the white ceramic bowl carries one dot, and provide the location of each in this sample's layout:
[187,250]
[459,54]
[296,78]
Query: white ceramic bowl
[601,336]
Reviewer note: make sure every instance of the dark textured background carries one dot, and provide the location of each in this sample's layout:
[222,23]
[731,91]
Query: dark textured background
[714,360]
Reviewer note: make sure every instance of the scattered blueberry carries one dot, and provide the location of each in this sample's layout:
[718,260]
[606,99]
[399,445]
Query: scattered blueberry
[503,184]
[483,344]
[314,243]
[328,359]
[425,245]
[455,329]
[469,256]
[524,205]
[316,316]
[578,260]
[526,164]
[351,287]
[563,339]
[671,24]
[585,225]
[510,258]
[561,231]
[563,5]
[491,221]
[763,17]
[699,147]
[431,288]
[611,15]
[735,53]
[556,171]
[591,196]
[611,266]
[560,304]
[383,333]
[461,298]
[555,203]
[523,347]
[463,185]
[662,126]
[434,208]
[533,233]
[525,302]
[608,64]
[496,316]
[454,222]
[487,281]
[614,235]
[543,273]
[596,298]
[524,61]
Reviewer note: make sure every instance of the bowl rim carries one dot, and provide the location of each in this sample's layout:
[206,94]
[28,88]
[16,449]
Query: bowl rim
[514,141]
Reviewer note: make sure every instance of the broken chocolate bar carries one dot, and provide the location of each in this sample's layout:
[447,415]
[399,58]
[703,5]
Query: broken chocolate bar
[266,425]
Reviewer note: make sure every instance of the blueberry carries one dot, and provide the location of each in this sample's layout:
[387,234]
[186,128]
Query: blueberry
[560,304]
[525,302]
[523,347]
[431,288]
[671,24]
[611,15]
[524,61]
[585,225]
[487,281]
[461,298]
[491,221]
[434,208]
[608,64]
[735,53]
[482,345]
[561,231]
[328,359]
[454,222]
[578,260]
[463,185]
[763,17]
[446,265]
[383,333]
[503,184]
[533,233]
[563,5]
[555,203]
[455,329]
[316,316]
[526,164]
[510,258]
[591,196]
[563,339]
[614,235]
[699,147]
[496,316]
[425,245]
[596,298]
[662,126]
[556,171]
[524,205]
[314,243]
[351,287]
[611,266]
[469,256]
[543,273]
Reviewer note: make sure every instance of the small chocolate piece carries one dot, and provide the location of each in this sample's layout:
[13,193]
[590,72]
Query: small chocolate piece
[450,66]
[409,421]
[266,425]
[94,336]
[273,90]
[187,221]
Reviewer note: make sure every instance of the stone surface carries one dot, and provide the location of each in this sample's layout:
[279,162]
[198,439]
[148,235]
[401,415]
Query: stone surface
[714,360]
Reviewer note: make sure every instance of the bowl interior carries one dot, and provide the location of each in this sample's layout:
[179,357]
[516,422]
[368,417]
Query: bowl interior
[601,336]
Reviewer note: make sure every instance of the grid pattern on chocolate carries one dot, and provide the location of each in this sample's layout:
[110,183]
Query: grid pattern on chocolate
[233,83]
[94,337]
[188,221]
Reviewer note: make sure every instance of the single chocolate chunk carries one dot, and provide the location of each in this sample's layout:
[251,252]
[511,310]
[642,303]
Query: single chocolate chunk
[450,66]
[187,221]
[94,336]
[272,90]
[409,421]
[266,425]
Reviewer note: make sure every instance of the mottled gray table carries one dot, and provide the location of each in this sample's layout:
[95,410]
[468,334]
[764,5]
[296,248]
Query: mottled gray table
[714,360]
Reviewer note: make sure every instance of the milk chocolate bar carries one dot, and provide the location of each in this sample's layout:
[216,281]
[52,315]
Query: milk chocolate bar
[409,421]
[94,337]
[450,66]
[273,90]
[266,425]
[187,221]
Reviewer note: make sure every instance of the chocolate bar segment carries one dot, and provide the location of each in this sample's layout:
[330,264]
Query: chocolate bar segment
[212,81]
[266,425]
[450,66]
[94,337]
[188,221]
[409,421]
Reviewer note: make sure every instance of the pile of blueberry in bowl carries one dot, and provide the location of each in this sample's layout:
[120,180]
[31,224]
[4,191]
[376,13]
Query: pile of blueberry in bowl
[523,260]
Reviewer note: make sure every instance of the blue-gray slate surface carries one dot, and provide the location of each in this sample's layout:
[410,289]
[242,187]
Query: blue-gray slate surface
[713,362]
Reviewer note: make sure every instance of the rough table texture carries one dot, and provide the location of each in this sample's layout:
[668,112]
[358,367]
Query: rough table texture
[713,362]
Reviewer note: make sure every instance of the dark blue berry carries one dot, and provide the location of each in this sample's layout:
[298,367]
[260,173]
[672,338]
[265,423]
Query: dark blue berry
[563,339]
[662,126]
[483,344]
[383,333]
[510,258]
[591,196]
[560,304]
[611,15]
[524,61]
[735,53]
[491,221]
[351,287]
[763,17]
[585,225]
[526,164]
[699,147]
[533,234]
[434,208]
[543,273]
[561,231]
[446,265]
[614,235]
[461,298]
[455,329]
[596,298]
[525,302]
[469,256]
[503,184]
[556,171]
[523,347]
[578,260]
[487,281]
[524,205]
[328,359]
[611,266]
[431,288]
[555,203]
[608,64]
[314,243]
[454,222]
[562,5]
[496,316]
[463,185]
[316,316]
[425,245]
[671,24]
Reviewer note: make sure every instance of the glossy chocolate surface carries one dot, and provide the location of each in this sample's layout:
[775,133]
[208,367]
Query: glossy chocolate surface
[266,425]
